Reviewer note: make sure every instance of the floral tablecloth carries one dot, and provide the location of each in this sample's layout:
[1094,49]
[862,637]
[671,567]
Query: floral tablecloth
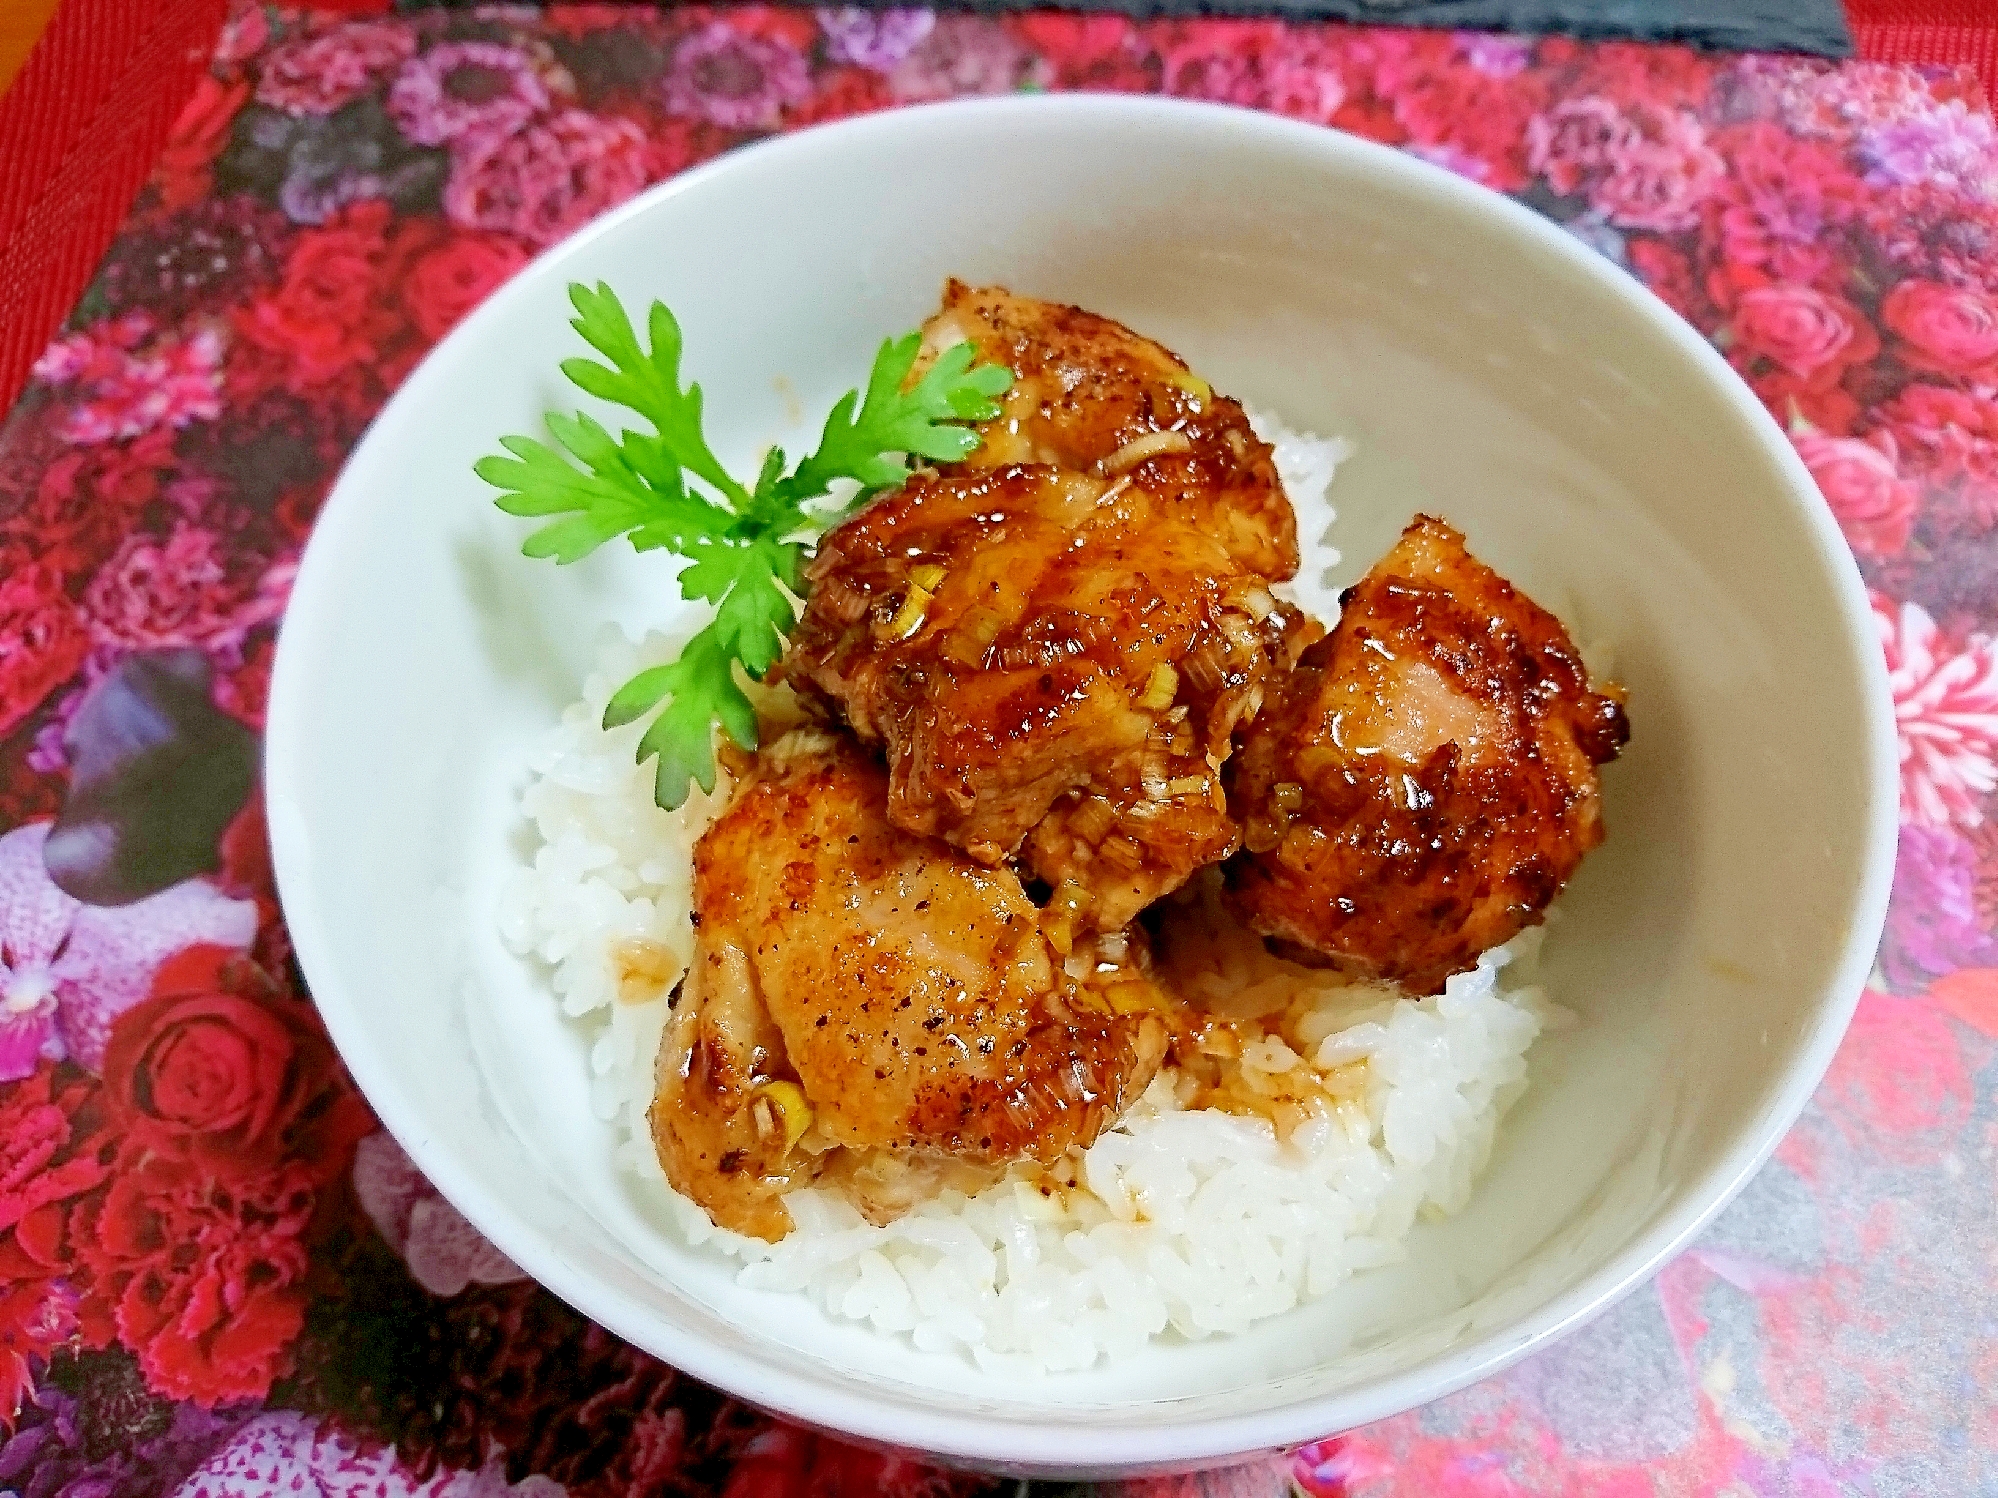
[217,1276]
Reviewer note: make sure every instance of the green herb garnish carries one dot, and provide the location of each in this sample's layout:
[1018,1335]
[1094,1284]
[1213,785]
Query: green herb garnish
[745,548]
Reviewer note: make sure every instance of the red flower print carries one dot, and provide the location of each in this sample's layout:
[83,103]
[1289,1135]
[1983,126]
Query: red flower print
[1946,710]
[1469,120]
[1874,505]
[1646,73]
[775,23]
[1971,994]
[1948,330]
[37,1316]
[837,94]
[52,1150]
[201,1276]
[218,1067]
[327,314]
[1667,271]
[233,1119]
[86,498]
[1805,332]
[1092,51]
[49,1134]
[783,1461]
[1950,438]
[1199,58]
[1778,211]
[244,692]
[42,641]
[246,875]
[181,174]
[1799,403]
[448,281]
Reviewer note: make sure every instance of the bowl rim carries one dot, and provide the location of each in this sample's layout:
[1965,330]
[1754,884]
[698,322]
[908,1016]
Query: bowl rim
[1109,1443]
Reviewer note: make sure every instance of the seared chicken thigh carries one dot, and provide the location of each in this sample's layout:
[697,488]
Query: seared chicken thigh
[1090,395]
[1053,665]
[1425,782]
[858,991]
[1054,641]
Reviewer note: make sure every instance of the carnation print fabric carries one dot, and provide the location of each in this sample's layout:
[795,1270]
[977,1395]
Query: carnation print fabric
[219,1277]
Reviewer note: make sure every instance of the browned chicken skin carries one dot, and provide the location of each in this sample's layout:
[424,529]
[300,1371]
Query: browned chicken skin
[907,992]
[1090,395]
[1424,783]
[1054,641]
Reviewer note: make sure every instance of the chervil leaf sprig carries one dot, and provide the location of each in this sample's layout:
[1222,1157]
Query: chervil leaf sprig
[745,547]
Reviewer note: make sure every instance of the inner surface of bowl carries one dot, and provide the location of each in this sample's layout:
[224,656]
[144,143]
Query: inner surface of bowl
[1488,371]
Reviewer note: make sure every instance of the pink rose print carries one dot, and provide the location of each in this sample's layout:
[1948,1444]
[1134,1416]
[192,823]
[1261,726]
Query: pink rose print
[283,1452]
[1950,330]
[1874,505]
[1946,709]
[132,382]
[67,970]
[444,1252]
[1801,329]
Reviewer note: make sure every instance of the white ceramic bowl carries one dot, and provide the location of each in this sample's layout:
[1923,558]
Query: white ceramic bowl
[1490,369]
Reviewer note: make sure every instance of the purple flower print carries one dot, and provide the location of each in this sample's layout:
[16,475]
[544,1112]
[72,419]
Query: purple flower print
[283,1452]
[736,81]
[444,1252]
[1947,146]
[52,1452]
[461,87]
[875,39]
[1932,925]
[67,969]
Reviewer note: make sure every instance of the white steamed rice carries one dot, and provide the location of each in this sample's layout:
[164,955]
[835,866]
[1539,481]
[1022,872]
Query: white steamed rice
[1181,1222]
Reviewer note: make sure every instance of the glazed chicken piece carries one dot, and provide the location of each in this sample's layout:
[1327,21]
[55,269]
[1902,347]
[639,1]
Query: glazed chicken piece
[1425,782]
[1053,664]
[1054,641]
[1090,395]
[866,1004]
